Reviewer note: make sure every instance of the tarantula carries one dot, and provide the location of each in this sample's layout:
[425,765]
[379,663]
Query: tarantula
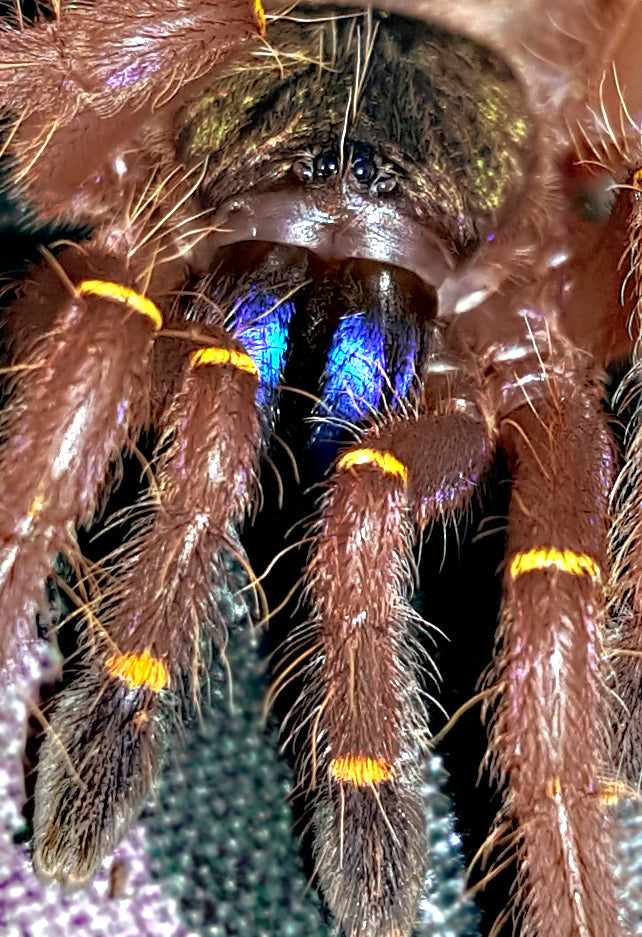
[425,218]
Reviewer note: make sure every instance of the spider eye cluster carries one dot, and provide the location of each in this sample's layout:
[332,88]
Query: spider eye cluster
[365,167]
[309,149]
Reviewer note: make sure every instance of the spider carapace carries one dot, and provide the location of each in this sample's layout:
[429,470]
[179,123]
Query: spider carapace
[401,226]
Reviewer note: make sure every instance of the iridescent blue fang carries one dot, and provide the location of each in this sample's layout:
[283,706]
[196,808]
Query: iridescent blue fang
[261,321]
[370,360]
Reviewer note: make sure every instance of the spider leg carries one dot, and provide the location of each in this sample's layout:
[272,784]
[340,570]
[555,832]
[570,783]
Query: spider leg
[78,397]
[151,639]
[79,392]
[369,726]
[107,734]
[550,730]
[83,86]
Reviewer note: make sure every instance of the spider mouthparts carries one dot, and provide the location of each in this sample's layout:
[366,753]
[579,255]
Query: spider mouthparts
[334,227]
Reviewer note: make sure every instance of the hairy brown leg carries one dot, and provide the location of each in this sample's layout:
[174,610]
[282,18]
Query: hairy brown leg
[81,390]
[82,88]
[548,739]
[364,711]
[107,733]
[78,396]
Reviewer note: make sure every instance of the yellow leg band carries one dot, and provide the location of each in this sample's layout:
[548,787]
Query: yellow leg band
[386,462]
[224,356]
[123,294]
[37,505]
[577,564]
[259,12]
[360,770]
[139,670]
[553,788]
[612,792]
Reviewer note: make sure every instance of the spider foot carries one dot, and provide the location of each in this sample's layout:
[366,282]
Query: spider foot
[100,759]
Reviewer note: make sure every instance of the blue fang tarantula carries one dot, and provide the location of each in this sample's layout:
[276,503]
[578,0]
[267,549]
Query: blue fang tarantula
[427,218]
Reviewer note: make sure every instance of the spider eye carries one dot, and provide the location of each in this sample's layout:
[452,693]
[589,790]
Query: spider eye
[326,164]
[364,169]
[385,185]
[303,169]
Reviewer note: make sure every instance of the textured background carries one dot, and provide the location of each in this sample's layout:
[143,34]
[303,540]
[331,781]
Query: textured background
[214,854]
